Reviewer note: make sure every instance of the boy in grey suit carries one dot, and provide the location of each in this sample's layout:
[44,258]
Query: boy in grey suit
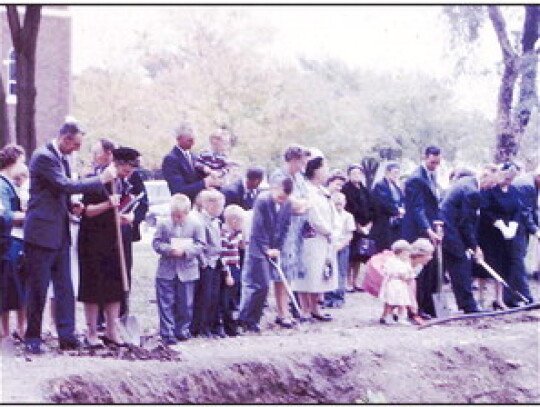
[271,219]
[179,240]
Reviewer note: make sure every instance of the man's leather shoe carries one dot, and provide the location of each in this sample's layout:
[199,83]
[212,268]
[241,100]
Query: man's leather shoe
[183,337]
[219,333]
[472,311]
[69,344]
[34,348]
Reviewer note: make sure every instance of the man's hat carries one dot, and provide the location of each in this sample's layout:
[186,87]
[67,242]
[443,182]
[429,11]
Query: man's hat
[126,155]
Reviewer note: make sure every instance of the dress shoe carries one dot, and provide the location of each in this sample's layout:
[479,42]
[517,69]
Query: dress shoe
[183,337]
[359,289]
[219,333]
[254,328]
[472,311]
[303,320]
[109,342]
[92,346]
[425,316]
[498,306]
[169,341]
[16,337]
[69,343]
[284,323]
[34,348]
[322,317]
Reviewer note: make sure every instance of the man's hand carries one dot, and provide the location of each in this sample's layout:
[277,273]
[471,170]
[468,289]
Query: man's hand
[108,174]
[77,208]
[478,254]
[114,199]
[229,280]
[538,234]
[272,253]
[434,237]
[177,252]
[127,218]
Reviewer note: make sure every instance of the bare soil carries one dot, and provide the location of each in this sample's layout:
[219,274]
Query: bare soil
[351,359]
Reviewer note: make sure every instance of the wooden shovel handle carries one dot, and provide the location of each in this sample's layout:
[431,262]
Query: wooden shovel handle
[120,243]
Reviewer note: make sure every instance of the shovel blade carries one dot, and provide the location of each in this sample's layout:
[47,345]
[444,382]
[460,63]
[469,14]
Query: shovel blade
[128,328]
[440,302]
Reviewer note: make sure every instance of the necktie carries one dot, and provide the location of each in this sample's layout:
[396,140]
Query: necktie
[188,159]
[250,197]
[65,164]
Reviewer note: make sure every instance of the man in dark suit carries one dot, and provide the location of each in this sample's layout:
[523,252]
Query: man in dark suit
[421,209]
[244,191]
[179,167]
[388,208]
[47,236]
[271,220]
[459,214]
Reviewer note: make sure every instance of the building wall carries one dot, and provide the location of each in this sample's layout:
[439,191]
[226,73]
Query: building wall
[53,70]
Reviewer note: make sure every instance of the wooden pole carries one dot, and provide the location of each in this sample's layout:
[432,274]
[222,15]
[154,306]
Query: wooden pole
[120,243]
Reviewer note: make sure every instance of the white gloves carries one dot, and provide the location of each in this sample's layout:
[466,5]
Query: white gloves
[512,228]
[508,232]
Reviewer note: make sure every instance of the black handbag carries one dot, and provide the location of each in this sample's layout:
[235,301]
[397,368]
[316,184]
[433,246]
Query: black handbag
[308,231]
[364,247]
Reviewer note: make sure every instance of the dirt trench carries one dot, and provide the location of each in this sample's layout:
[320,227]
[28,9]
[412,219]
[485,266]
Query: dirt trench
[500,366]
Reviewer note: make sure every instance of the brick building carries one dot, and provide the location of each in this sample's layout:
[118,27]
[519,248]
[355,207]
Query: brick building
[53,70]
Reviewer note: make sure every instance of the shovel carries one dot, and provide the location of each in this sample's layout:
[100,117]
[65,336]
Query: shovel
[440,300]
[128,326]
[497,277]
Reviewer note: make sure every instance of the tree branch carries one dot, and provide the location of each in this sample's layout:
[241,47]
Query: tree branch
[499,25]
[14,25]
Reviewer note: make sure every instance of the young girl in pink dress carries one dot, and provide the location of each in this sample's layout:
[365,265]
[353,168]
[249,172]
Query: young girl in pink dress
[395,291]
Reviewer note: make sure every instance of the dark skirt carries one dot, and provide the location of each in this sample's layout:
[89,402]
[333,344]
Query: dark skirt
[13,277]
[99,265]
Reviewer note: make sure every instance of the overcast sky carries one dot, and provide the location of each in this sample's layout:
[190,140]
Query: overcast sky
[383,38]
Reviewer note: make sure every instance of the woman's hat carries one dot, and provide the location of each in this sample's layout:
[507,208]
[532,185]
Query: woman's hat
[126,155]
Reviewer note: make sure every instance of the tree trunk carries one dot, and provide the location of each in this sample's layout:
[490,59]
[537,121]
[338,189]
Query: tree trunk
[25,43]
[528,94]
[4,119]
[507,144]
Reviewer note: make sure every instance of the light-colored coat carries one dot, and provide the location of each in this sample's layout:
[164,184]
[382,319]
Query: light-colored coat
[186,267]
[318,250]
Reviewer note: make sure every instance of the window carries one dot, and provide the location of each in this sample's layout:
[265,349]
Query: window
[11,77]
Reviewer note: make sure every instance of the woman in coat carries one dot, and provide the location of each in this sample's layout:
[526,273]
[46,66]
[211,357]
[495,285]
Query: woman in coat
[12,281]
[99,261]
[500,218]
[360,206]
[319,233]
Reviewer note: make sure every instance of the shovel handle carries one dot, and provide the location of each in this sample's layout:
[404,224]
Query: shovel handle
[120,243]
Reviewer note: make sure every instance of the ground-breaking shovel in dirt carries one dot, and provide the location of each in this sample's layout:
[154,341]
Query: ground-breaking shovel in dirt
[128,326]
[498,277]
[440,299]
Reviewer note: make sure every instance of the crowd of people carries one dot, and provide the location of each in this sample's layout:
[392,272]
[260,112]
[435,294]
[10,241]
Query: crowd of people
[302,232]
